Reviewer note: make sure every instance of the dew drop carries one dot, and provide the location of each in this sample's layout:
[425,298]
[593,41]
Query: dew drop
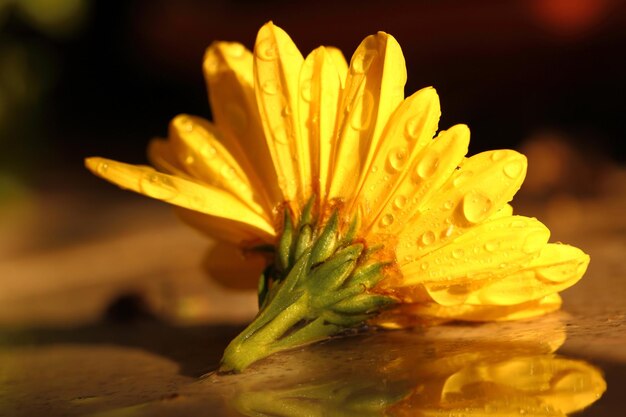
[476,207]
[428,165]
[397,158]
[462,178]
[448,205]
[186,123]
[386,220]
[458,253]
[361,114]
[227,171]
[424,266]
[286,112]
[428,238]
[189,160]
[374,169]
[236,50]
[280,134]
[535,241]
[497,155]
[491,246]
[413,127]
[518,224]
[270,87]
[157,186]
[362,61]
[208,152]
[212,65]
[102,168]
[399,202]
[305,90]
[513,169]
[266,50]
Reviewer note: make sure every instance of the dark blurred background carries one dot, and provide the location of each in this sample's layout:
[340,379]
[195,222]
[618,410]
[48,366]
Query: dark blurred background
[101,77]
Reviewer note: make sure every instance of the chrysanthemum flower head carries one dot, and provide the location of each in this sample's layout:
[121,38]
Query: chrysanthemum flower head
[367,205]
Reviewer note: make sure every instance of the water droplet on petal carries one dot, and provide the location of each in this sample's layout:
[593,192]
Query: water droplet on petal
[491,246]
[497,155]
[305,90]
[236,50]
[208,152]
[476,207]
[270,87]
[535,241]
[428,165]
[102,168]
[424,266]
[513,169]
[227,171]
[518,223]
[428,238]
[189,160]
[185,123]
[361,114]
[448,205]
[399,202]
[158,186]
[386,220]
[286,112]
[374,169]
[397,158]
[462,178]
[280,134]
[414,127]
[266,50]
[212,65]
[362,61]
[458,253]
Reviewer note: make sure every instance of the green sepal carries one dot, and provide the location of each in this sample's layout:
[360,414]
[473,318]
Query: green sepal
[319,289]
[368,275]
[327,241]
[362,303]
[284,244]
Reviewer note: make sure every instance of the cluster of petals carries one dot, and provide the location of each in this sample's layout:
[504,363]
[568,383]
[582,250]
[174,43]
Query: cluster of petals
[286,128]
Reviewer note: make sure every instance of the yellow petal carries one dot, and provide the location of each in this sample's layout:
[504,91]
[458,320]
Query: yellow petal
[468,312]
[199,150]
[505,211]
[320,88]
[410,129]
[178,191]
[277,63]
[340,63]
[162,156]
[374,89]
[557,268]
[225,230]
[228,70]
[485,252]
[482,185]
[234,268]
[425,176]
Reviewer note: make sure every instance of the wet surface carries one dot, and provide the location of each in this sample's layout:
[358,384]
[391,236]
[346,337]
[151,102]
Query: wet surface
[540,367]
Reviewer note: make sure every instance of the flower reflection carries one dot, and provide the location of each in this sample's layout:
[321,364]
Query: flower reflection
[496,369]
[447,371]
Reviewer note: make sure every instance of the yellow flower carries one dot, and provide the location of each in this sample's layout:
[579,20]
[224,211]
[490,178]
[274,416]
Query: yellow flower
[329,164]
